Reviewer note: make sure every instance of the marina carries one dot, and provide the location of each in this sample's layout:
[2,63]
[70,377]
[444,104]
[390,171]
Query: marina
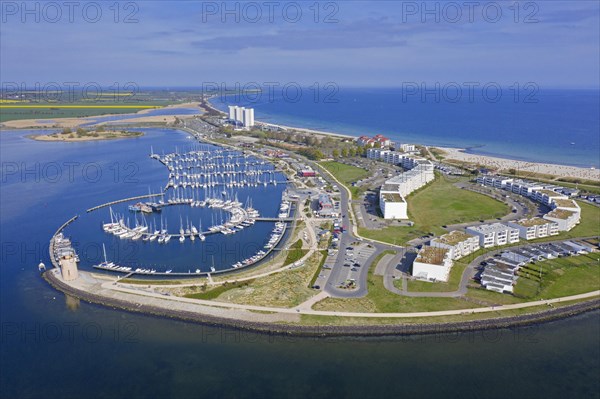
[209,197]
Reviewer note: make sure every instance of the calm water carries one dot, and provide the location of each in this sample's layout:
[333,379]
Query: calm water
[152,112]
[533,126]
[54,346]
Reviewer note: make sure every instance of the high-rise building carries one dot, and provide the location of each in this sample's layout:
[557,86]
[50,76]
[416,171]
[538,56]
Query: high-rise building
[248,117]
[239,114]
[232,109]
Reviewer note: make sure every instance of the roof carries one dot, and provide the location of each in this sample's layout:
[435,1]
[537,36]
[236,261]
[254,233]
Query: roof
[565,203]
[392,197]
[453,238]
[432,256]
[531,222]
[560,214]
[489,228]
[550,193]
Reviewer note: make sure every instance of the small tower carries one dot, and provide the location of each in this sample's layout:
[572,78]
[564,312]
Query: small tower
[68,268]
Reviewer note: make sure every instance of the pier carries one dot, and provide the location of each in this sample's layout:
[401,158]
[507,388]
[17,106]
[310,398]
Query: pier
[123,200]
[52,239]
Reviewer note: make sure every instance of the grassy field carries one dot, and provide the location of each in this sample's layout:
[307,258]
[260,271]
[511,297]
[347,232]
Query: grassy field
[295,253]
[203,292]
[50,112]
[559,277]
[285,289]
[437,204]
[346,174]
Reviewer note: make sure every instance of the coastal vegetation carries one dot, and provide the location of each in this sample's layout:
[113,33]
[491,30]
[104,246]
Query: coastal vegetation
[81,134]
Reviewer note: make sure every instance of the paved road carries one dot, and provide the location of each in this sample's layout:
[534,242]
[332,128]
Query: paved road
[349,236]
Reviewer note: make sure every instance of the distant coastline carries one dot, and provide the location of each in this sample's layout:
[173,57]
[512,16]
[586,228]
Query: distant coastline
[467,154]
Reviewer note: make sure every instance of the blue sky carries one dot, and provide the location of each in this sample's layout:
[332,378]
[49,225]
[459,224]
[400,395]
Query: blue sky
[376,43]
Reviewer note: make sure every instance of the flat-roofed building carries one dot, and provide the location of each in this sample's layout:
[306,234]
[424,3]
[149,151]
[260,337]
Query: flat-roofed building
[566,204]
[494,234]
[458,243]
[533,228]
[546,196]
[494,181]
[523,187]
[432,264]
[392,205]
[565,219]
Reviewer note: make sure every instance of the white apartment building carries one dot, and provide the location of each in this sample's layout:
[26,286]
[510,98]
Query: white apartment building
[458,243]
[432,264]
[546,196]
[392,204]
[241,115]
[524,188]
[565,219]
[494,181]
[533,228]
[494,234]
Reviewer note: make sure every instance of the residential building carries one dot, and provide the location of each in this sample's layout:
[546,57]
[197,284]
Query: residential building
[494,234]
[565,219]
[533,228]
[432,264]
[458,243]
[392,205]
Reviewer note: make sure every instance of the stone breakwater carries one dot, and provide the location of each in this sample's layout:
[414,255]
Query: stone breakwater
[365,330]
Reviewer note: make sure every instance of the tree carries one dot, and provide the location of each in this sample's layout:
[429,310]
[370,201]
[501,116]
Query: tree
[80,131]
[335,153]
[345,152]
[66,130]
[352,151]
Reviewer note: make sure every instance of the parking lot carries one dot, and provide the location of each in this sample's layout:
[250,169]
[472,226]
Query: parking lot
[354,259]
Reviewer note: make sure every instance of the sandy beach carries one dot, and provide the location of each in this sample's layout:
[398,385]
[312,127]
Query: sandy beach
[503,164]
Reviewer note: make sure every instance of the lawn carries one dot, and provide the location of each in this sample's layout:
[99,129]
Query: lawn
[346,174]
[559,277]
[295,253]
[437,204]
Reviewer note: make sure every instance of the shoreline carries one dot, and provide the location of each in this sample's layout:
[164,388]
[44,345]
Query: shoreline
[463,155]
[46,138]
[73,122]
[316,330]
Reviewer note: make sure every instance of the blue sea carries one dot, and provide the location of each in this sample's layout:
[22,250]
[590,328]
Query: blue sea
[552,126]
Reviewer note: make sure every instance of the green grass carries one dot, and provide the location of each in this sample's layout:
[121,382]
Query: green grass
[295,253]
[215,292]
[437,204]
[346,174]
[319,268]
[559,277]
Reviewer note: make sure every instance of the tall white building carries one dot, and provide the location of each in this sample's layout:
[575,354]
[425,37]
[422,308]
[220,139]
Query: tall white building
[241,115]
[248,117]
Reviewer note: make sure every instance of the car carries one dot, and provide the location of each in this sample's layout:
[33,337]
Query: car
[481,220]
[357,264]
[346,264]
[317,287]
[354,269]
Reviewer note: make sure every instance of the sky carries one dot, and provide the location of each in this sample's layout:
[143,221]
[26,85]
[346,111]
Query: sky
[554,44]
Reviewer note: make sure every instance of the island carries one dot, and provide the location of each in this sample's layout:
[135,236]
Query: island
[81,134]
